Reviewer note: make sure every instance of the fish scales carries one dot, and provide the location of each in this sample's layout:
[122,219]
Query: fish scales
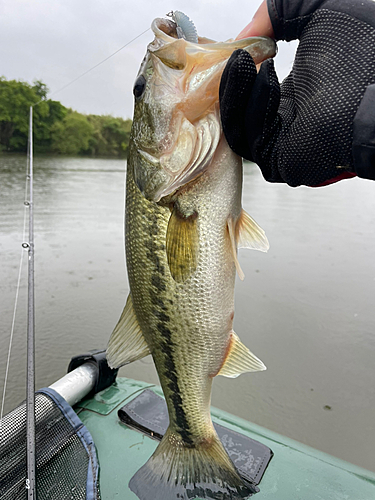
[183,224]
[195,315]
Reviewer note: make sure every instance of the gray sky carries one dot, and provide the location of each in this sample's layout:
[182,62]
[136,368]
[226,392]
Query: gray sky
[57,40]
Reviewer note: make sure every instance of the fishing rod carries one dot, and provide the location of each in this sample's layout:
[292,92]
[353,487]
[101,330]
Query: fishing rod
[30,376]
[29,246]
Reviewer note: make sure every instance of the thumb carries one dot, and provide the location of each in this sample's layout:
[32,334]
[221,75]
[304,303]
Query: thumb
[260,25]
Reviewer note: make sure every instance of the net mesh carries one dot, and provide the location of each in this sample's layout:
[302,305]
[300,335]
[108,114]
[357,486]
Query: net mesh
[64,460]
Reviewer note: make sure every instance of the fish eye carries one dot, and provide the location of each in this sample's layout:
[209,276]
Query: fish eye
[139,86]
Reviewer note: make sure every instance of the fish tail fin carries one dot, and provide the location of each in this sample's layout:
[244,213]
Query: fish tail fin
[178,471]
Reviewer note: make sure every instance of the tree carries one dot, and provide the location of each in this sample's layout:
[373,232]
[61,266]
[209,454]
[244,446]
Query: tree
[72,134]
[111,136]
[56,128]
[46,114]
[15,101]
[16,97]
[40,89]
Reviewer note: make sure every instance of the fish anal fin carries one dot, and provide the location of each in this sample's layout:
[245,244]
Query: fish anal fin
[249,234]
[176,470]
[182,245]
[239,359]
[233,247]
[126,343]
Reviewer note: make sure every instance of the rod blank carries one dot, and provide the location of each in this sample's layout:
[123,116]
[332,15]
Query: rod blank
[30,377]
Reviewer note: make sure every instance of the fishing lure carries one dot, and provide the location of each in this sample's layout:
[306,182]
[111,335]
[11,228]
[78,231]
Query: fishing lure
[185,26]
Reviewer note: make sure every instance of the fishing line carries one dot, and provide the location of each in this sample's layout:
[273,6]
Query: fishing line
[24,223]
[95,66]
[30,399]
[17,293]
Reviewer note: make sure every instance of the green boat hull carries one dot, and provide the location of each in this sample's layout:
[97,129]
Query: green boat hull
[296,472]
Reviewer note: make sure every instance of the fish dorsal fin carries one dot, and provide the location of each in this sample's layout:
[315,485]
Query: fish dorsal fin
[233,247]
[249,234]
[239,359]
[182,245]
[126,343]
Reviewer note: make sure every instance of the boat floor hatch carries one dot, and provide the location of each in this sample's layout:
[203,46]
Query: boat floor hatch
[67,465]
[148,413]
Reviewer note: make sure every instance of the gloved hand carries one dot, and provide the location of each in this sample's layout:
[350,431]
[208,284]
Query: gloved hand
[318,126]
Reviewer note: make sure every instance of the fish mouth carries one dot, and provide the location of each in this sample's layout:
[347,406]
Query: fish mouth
[165,31]
[187,159]
[184,90]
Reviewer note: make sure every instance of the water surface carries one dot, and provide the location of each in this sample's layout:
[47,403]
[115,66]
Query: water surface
[306,308]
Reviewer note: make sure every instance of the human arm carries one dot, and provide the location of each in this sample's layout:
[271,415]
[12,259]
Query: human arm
[319,125]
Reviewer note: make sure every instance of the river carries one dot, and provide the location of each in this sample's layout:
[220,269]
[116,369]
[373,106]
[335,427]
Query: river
[306,308]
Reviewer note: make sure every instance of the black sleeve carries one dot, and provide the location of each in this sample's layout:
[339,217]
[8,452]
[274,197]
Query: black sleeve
[290,17]
[318,126]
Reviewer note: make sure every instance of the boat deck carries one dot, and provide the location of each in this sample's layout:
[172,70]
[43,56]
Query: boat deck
[296,472]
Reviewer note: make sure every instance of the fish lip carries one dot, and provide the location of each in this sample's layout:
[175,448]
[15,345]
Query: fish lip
[156,28]
[205,43]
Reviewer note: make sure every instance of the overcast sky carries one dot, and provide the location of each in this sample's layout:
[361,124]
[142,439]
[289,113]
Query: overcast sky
[57,40]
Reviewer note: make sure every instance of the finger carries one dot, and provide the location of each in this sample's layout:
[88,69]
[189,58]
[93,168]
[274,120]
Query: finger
[260,24]
[261,122]
[235,88]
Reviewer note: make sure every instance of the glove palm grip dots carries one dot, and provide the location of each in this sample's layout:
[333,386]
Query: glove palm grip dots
[302,131]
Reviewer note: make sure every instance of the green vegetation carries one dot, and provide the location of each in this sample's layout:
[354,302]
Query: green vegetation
[57,129]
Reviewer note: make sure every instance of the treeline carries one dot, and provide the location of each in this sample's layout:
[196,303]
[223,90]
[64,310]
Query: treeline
[56,129]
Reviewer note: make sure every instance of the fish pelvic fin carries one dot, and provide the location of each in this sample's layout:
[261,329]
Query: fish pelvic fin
[245,233]
[239,359]
[177,471]
[126,343]
[182,245]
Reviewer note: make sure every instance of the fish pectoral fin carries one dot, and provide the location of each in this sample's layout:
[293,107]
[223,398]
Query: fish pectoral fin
[233,247]
[126,343]
[249,234]
[239,359]
[182,245]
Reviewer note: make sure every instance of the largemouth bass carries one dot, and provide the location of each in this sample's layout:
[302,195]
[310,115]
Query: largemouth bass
[183,225]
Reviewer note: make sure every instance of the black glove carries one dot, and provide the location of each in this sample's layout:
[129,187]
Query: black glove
[319,125]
